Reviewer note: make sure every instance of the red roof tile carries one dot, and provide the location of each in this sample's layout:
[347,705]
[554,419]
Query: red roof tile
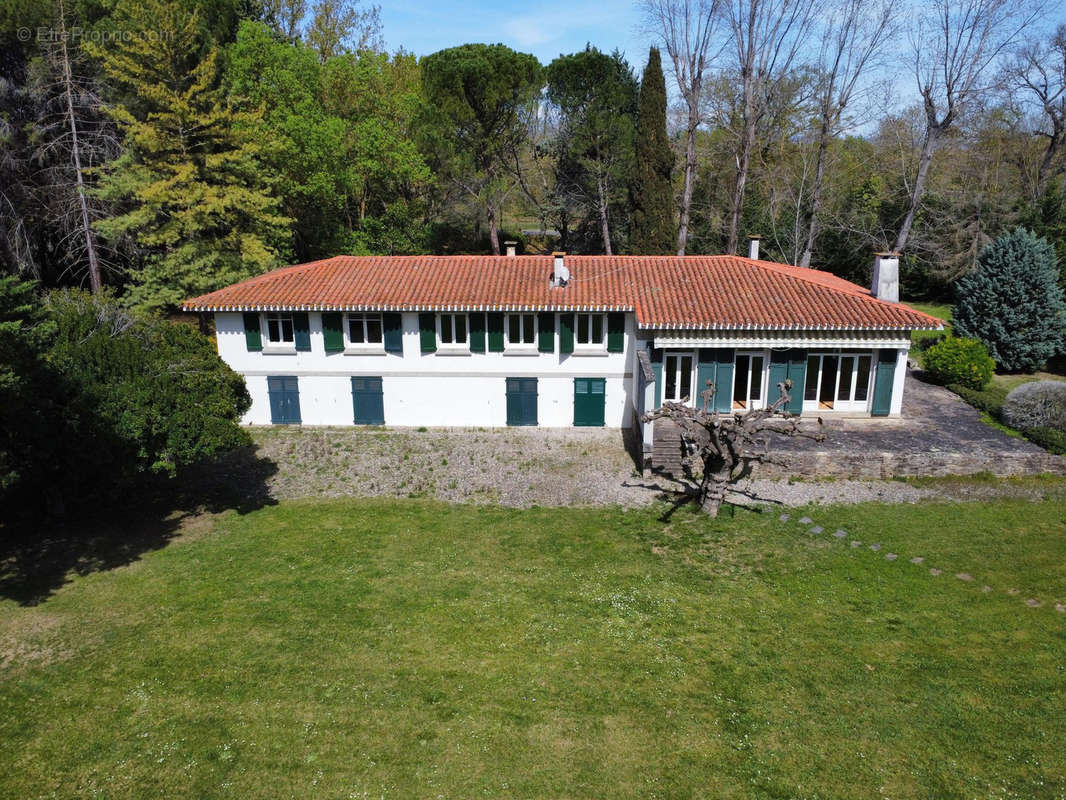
[664,291]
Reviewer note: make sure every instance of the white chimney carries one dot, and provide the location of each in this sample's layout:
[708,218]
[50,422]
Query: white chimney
[753,247]
[510,248]
[885,285]
[560,274]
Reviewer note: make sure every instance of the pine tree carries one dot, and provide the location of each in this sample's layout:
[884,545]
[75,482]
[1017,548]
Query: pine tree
[1013,303]
[651,192]
[191,187]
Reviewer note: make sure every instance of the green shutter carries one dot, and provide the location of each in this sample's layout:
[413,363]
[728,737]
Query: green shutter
[566,333]
[393,332]
[797,373]
[616,332]
[706,369]
[589,402]
[427,332]
[301,327]
[546,332]
[332,335]
[495,326]
[477,333]
[883,381]
[253,333]
[723,395]
[778,374]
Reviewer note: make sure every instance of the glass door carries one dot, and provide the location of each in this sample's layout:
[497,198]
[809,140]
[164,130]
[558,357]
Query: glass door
[678,377]
[748,380]
[837,382]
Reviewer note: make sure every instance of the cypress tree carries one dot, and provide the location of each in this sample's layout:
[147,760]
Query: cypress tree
[651,192]
[1013,303]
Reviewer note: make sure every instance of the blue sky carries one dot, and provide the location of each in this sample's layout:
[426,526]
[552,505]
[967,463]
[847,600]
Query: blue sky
[543,29]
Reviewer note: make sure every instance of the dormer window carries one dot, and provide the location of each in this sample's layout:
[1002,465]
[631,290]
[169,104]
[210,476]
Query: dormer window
[279,330]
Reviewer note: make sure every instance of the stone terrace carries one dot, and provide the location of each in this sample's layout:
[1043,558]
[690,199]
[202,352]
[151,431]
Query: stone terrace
[938,434]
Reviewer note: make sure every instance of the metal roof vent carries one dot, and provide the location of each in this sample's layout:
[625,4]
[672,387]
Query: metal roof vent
[560,276]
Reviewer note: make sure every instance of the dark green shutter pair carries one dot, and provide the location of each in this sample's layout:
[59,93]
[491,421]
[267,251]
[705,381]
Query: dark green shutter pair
[791,365]
[590,395]
[333,332]
[427,330]
[616,332]
[301,332]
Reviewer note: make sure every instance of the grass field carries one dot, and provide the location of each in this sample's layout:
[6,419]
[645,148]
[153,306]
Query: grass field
[410,649]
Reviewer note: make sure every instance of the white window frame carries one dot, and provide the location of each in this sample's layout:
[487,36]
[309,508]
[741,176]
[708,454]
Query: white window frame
[364,346]
[461,347]
[590,346]
[279,346]
[842,406]
[523,347]
[763,380]
[694,397]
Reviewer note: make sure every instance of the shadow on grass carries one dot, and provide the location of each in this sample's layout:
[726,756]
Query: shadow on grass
[38,556]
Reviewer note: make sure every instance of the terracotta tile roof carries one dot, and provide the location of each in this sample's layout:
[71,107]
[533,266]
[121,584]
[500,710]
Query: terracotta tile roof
[697,292]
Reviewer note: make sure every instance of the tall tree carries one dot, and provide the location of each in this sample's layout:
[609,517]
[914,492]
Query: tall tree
[72,138]
[651,190]
[855,32]
[765,40]
[686,28]
[341,26]
[190,190]
[955,44]
[596,95]
[478,95]
[1039,72]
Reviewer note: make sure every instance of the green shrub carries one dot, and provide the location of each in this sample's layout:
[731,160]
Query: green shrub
[989,400]
[961,361]
[1039,404]
[1052,440]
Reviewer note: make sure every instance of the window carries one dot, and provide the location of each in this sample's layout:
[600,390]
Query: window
[452,330]
[677,375]
[838,381]
[590,330]
[747,381]
[521,330]
[279,329]
[364,330]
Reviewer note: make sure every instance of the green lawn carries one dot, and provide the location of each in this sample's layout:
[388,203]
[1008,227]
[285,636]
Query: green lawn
[410,649]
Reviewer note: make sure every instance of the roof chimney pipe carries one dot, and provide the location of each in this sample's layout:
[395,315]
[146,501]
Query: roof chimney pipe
[560,274]
[885,285]
[510,248]
[753,247]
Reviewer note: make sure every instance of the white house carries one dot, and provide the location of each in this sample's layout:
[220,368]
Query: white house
[557,341]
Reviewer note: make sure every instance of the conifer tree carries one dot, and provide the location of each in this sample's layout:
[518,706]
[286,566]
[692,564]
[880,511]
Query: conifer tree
[651,193]
[191,188]
[1013,303]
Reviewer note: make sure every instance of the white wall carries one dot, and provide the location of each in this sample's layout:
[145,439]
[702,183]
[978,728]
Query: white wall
[433,389]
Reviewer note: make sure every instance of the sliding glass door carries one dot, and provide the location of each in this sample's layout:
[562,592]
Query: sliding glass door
[837,382]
